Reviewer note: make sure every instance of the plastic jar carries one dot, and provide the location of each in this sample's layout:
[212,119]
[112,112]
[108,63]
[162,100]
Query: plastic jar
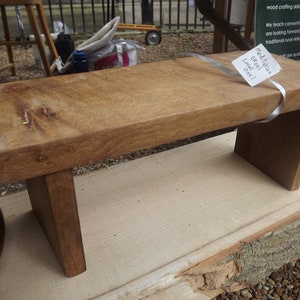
[80,62]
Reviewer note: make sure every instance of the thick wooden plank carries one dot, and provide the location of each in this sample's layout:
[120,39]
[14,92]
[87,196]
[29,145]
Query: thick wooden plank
[56,123]
[54,203]
[273,148]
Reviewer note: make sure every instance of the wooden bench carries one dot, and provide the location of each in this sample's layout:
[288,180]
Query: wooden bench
[50,125]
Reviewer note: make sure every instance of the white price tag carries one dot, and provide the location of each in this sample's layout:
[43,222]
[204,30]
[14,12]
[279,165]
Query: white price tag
[257,65]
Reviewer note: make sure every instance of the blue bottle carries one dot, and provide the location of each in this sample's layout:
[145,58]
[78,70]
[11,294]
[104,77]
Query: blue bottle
[80,62]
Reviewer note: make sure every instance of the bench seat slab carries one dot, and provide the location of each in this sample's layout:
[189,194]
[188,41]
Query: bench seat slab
[53,201]
[274,148]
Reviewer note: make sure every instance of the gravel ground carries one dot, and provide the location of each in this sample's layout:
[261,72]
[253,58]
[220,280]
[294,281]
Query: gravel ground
[283,283]
[172,46]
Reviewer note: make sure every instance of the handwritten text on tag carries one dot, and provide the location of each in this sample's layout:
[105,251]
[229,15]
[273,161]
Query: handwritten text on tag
[257,65]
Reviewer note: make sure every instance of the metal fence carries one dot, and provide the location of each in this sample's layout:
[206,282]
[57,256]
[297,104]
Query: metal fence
[88,16]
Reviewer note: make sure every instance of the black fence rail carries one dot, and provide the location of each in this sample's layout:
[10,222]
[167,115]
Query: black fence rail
[79,16]
[89,16]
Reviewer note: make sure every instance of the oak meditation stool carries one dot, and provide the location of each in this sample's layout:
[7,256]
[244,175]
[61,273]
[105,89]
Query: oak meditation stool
[53,124]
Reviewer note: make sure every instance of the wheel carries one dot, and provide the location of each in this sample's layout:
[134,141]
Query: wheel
[153,38]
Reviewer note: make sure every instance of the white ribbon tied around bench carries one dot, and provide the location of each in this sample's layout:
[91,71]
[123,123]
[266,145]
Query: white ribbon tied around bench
[230,72]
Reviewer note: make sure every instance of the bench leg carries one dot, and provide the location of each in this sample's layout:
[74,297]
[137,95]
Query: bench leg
[53,201]
[274,148]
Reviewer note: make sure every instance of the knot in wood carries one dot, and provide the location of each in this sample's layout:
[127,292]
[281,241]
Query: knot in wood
[42,158]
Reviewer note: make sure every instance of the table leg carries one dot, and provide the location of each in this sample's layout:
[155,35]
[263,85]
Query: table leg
[53,201]
[274,148]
